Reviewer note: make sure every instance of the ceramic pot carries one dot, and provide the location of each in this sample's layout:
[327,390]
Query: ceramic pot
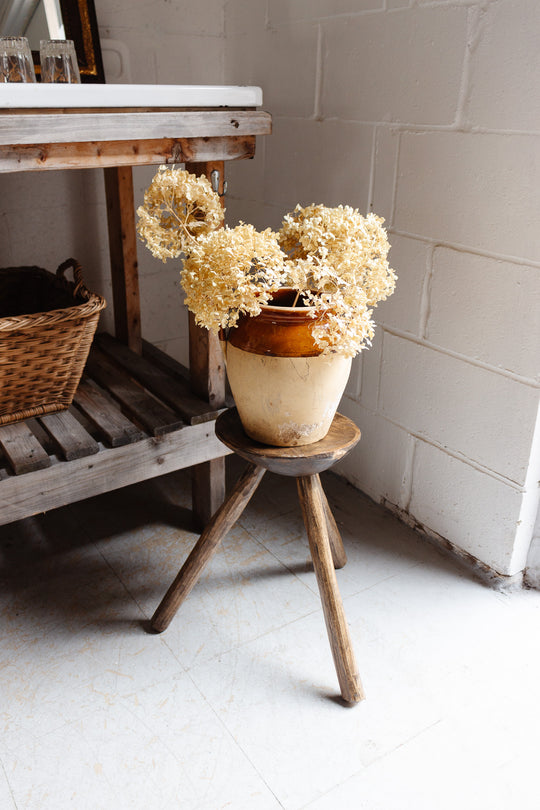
[286,391]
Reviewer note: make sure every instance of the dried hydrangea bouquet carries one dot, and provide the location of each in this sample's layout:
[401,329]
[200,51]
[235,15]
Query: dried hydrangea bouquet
[287,381]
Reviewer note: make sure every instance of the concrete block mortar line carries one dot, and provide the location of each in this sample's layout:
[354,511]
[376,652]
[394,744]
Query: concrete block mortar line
[472,361]
[460,248]
[371,184]
[480,130]
[325,18]
[425,302]
[474,32]
[444,3]
[400,126]
[455,454]
[381,355]
[363,12]
[8,783]
[408,128]
[405,494]
[319,67]
[395,182]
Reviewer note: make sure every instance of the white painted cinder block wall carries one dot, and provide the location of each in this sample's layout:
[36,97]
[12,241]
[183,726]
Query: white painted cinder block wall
[428,114]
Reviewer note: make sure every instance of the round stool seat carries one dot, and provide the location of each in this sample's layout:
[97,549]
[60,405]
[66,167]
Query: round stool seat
[307,459]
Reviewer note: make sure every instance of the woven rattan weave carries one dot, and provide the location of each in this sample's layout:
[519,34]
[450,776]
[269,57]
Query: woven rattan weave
[47,324]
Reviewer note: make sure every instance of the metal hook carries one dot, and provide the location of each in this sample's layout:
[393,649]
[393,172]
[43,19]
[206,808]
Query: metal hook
[214,180]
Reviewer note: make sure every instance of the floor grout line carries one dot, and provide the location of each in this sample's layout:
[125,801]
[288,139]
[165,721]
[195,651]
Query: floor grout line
[258,719]
[15,805]
[234,740]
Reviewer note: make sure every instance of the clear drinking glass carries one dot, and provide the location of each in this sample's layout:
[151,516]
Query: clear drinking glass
[59,61]
[16,64]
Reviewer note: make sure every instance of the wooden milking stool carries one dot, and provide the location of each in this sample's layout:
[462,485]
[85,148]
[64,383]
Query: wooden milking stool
[304,463]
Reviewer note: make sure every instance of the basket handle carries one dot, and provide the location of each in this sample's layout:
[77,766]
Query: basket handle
[80,287]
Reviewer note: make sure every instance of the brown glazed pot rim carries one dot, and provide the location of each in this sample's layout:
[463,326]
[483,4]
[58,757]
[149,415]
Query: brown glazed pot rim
[277,331]
[283,291]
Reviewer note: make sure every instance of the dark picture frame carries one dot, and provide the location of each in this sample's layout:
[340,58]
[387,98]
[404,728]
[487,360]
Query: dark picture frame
[80,25]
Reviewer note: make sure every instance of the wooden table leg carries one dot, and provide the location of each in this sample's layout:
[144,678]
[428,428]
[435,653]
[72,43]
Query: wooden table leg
[223,520]
[207,490]
[123,256]
[339,555]
[207,375]
[315,519]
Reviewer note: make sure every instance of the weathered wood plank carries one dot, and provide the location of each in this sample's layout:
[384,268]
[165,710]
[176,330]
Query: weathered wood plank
[102,154]
[147,411]
[109,469]
[79,127]
[22,449]
[123,255]
[114,427]
[164,361]
[72,439]
[174,392]
[207,490]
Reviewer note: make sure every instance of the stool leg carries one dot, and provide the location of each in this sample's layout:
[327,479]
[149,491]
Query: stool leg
[313,509]
[336,543]
[221,523]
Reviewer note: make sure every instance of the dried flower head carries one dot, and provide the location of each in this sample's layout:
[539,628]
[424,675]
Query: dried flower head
[334,257]
[178,208]
[232,271]
[337,258]
[343,245]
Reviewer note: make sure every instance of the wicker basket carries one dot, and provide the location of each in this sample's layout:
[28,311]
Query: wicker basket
[47,324]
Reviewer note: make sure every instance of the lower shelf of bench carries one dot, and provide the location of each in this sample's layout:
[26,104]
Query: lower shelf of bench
[133,418]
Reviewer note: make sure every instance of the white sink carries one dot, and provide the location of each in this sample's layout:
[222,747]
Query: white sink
[18,95]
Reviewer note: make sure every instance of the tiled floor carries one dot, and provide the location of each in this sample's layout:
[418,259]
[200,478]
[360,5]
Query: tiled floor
[236,704]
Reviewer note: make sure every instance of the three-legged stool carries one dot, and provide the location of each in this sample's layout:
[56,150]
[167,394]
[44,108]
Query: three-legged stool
[304,463]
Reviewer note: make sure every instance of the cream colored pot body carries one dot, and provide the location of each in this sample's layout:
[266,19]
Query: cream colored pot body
[286,401]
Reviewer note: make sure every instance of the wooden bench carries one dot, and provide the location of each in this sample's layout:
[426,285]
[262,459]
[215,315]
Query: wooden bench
[137,413]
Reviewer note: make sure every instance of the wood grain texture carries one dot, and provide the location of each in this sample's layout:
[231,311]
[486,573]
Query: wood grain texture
[111,468]
[207,490]
[22,449]
[114,428]
[206,363]
[307,459]
[71,438]
[207,366]
[102,154]
[123,255]
[314,513]
[164,361]
[39,140]
[219,526]
[143,408]
[175,392]
[66,126]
